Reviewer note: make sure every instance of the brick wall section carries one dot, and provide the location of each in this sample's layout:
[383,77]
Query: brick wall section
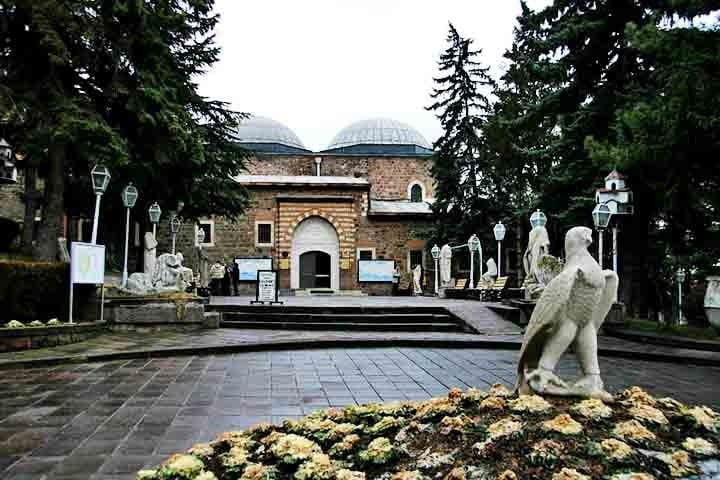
[389,176]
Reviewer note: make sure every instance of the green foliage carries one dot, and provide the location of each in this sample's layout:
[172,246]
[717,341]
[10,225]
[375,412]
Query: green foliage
[33,290]
[594,86]
[463,178]
[114,82]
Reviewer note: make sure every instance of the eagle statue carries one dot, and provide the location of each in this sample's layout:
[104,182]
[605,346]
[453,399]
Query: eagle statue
[571,310]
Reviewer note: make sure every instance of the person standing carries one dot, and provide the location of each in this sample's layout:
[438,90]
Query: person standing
[236,277]
[217,272]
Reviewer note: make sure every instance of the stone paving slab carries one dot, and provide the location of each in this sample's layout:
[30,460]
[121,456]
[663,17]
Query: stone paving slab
[125,345]
[106,420]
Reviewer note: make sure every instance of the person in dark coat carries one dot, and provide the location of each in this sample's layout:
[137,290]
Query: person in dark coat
[236,278]
[226,279]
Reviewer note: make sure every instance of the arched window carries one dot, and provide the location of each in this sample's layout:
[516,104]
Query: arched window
[416,193]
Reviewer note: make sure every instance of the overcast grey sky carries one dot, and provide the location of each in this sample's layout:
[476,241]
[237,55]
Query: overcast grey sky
[318,65]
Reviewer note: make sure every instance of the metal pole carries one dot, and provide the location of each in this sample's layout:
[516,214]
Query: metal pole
[70,317]
[472,270]
[600,247]
[127,240]
[499,259]
[680,314]
[97,216]
[615,248]
[102,303]
[480,267]
[437,288]
[154,231]
[173,249]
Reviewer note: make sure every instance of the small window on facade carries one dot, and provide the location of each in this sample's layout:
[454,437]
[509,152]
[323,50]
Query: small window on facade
[366,254]
[416,258]
[208,227]
[416,193]
[264,234]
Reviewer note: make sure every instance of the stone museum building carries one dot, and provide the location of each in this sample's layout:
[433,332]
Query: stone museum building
[315,214]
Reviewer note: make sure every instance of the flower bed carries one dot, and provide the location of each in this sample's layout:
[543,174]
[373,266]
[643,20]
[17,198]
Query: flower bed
[469,435]
[16,336]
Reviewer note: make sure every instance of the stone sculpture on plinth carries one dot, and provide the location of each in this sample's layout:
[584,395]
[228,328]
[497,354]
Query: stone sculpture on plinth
[540,267]
[445,266]
[417,276]
[571,310]
[149,257]
[488,278]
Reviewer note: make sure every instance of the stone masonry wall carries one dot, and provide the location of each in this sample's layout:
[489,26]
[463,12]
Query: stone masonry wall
[391,238]
[390,177]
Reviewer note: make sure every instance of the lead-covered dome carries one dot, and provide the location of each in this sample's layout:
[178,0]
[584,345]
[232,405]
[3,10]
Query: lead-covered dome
[267,135]
[380,135]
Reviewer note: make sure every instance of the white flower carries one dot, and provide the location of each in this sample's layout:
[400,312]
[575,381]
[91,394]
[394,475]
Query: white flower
[616,449]
[187,465]
[648,414]
[592,408]
[700,446]
[529,403]
[632,430]
[564,424]
[206,476]
[569,474]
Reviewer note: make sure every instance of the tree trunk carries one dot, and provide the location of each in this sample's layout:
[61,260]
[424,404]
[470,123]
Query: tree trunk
[31,198]
[51,226]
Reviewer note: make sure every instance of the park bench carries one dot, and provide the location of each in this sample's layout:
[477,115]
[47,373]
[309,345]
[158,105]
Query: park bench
[494,293]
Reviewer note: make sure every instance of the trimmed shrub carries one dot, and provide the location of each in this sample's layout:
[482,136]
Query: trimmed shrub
[33,290]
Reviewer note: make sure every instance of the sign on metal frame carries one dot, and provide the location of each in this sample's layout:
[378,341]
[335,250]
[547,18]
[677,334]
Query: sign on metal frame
[87,267]
[266,287]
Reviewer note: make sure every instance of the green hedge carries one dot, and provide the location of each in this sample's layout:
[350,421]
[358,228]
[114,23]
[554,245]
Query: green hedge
[33,290]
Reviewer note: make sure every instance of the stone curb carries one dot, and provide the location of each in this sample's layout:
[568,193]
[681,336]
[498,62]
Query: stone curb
[695,358]
[674,342]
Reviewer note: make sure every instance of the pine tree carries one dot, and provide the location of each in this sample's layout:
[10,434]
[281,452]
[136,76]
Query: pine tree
[111,81]
[459,168]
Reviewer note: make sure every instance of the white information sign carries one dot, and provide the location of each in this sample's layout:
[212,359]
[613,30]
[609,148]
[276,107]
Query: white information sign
[267,286]
[248,267]
[87,263]
[381,271]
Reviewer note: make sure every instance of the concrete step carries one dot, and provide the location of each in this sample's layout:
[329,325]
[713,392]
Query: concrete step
[302,317]
[346,326]
[329,309]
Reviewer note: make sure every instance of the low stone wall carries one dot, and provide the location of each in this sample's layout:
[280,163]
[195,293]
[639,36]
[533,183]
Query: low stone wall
[151,314]
[15,339]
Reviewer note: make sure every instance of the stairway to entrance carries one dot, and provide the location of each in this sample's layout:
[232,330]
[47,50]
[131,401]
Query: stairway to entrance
[348,318]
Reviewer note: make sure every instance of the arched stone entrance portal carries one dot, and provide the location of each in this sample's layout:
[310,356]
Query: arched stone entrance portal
[315,261]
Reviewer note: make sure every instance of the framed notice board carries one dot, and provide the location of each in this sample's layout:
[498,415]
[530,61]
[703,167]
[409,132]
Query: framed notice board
[266,287]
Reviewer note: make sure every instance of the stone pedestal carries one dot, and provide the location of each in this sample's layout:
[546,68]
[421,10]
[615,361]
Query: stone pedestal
[155,314]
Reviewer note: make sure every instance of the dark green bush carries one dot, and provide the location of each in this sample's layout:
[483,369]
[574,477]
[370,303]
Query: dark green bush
[33,290]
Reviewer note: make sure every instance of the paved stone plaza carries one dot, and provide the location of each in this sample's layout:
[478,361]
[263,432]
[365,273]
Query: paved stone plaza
[107,420]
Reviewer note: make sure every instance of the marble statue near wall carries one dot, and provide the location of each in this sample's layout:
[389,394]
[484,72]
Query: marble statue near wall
[165,273]
[571,309]
[540,267]
[63,254]
[445,266]
[488,278]
[202,266]
[149,255]
[417,276]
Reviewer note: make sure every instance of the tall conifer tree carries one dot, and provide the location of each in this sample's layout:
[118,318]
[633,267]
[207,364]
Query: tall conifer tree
[460,166]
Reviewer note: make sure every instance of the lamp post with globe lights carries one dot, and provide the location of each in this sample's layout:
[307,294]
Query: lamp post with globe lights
[129,197]
[538,219]
[601,218]
[435,251]
[499,232]
[154,212]
[100,176]
[474,246]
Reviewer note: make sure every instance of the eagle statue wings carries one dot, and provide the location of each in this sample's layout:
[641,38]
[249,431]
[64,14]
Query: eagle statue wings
[571,310]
